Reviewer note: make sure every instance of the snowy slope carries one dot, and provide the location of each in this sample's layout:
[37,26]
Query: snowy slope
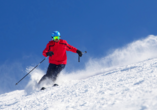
[130,87]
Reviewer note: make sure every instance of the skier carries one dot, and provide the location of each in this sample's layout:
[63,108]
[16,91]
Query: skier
[56,50]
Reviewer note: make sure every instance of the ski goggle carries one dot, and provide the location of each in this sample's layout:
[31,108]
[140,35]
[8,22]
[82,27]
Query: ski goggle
[56,37]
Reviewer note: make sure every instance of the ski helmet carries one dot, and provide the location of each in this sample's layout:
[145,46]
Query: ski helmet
[55,33]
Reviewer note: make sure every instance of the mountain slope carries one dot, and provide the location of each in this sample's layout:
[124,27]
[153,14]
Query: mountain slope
[130,87]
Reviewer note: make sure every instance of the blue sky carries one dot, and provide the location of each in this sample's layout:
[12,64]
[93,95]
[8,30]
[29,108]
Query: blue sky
[98,26]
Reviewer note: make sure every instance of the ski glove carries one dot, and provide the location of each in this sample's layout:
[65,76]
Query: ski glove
[79,53]
[49,53]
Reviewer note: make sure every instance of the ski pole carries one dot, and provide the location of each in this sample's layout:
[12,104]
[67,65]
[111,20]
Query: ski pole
[82,54]
[31,70]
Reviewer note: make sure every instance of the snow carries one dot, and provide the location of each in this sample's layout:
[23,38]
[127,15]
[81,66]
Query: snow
[126,79]
[130,87]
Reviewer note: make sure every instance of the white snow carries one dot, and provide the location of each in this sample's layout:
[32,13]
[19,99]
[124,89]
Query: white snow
[130,87]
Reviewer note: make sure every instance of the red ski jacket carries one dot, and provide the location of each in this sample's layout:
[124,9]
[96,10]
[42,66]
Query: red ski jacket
[59,49]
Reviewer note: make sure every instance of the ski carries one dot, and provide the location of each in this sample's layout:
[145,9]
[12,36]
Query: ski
[43,88]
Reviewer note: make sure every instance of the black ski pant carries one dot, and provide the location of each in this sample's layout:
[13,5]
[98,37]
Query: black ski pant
[52,72]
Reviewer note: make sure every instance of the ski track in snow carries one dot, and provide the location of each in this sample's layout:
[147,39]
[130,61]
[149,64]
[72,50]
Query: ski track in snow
[131,87]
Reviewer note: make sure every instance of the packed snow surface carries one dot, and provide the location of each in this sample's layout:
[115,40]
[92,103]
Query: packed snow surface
[130,87]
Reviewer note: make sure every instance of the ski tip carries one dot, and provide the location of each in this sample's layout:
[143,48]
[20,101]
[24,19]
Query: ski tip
[43,88]
[55,85]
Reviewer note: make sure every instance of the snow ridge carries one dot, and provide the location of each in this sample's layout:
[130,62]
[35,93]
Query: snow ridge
[130,87]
